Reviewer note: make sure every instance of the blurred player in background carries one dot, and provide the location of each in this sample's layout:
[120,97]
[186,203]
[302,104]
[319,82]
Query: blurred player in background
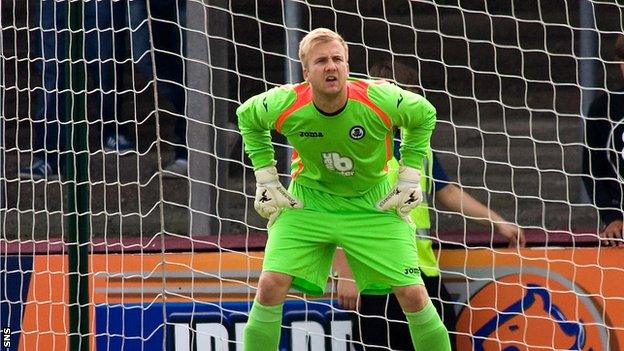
[602,160]
[379,330]
[342,131]
[49,44]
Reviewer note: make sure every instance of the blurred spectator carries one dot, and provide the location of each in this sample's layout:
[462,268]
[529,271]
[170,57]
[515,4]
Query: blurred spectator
[391,329]
[167,19]
[103,48]
[603,157]
[49,50]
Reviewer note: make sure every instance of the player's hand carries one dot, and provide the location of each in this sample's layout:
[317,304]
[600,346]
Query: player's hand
[513,233]
[405,195]
[271,196]
[612,234]
[348,294]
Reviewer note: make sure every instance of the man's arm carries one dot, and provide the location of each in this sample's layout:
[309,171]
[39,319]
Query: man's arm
[256,118]
[612,231]
[457,200]
[413,114]
[417,119]
[348,295]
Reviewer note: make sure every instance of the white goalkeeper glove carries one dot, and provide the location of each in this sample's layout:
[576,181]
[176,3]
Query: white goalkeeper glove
[271,196]
[405,195]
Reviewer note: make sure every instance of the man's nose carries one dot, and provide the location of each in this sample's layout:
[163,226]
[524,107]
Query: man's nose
[330,66]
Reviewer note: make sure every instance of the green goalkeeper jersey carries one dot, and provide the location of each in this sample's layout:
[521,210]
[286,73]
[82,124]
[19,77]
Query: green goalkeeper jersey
[344,153]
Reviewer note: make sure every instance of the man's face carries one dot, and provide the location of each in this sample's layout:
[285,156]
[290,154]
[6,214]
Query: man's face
[327,68]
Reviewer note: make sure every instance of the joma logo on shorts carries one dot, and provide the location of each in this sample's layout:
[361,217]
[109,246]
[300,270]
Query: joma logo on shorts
[311,134]
[411,271]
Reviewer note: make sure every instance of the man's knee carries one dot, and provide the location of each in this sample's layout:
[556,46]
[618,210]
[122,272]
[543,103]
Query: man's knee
[272,288]
[412,298]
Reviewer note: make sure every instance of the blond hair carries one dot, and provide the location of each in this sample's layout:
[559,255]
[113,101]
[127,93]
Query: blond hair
[317,36]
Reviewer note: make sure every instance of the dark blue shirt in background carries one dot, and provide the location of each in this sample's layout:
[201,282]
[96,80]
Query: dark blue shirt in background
[440,179]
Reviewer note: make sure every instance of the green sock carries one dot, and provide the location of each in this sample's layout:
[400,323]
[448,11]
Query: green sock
[263,328]
[427,330]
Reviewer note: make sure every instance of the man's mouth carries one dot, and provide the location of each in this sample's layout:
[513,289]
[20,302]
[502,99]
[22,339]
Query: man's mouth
[331,79]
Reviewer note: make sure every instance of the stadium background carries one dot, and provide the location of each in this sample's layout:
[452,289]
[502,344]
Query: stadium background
[510,80]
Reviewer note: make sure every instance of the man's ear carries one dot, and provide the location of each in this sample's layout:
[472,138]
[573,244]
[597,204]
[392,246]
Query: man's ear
[306,73]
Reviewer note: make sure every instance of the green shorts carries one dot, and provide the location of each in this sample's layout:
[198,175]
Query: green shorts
[379,245]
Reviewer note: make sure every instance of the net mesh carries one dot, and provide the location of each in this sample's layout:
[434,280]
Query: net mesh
[511,81]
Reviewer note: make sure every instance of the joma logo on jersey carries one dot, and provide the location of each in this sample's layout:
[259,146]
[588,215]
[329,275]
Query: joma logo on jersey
[412,270]
[311,134]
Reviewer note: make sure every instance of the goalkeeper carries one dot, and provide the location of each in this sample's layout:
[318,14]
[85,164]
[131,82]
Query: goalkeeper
[341,130]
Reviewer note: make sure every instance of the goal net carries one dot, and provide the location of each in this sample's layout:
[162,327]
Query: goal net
[126,202]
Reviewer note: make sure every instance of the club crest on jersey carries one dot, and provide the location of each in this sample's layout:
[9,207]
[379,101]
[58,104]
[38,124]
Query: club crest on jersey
[357,132]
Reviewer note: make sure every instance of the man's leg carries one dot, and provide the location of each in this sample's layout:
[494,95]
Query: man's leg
[49,110]
[262,331]
[442,301]
[377,324]
[426,328]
